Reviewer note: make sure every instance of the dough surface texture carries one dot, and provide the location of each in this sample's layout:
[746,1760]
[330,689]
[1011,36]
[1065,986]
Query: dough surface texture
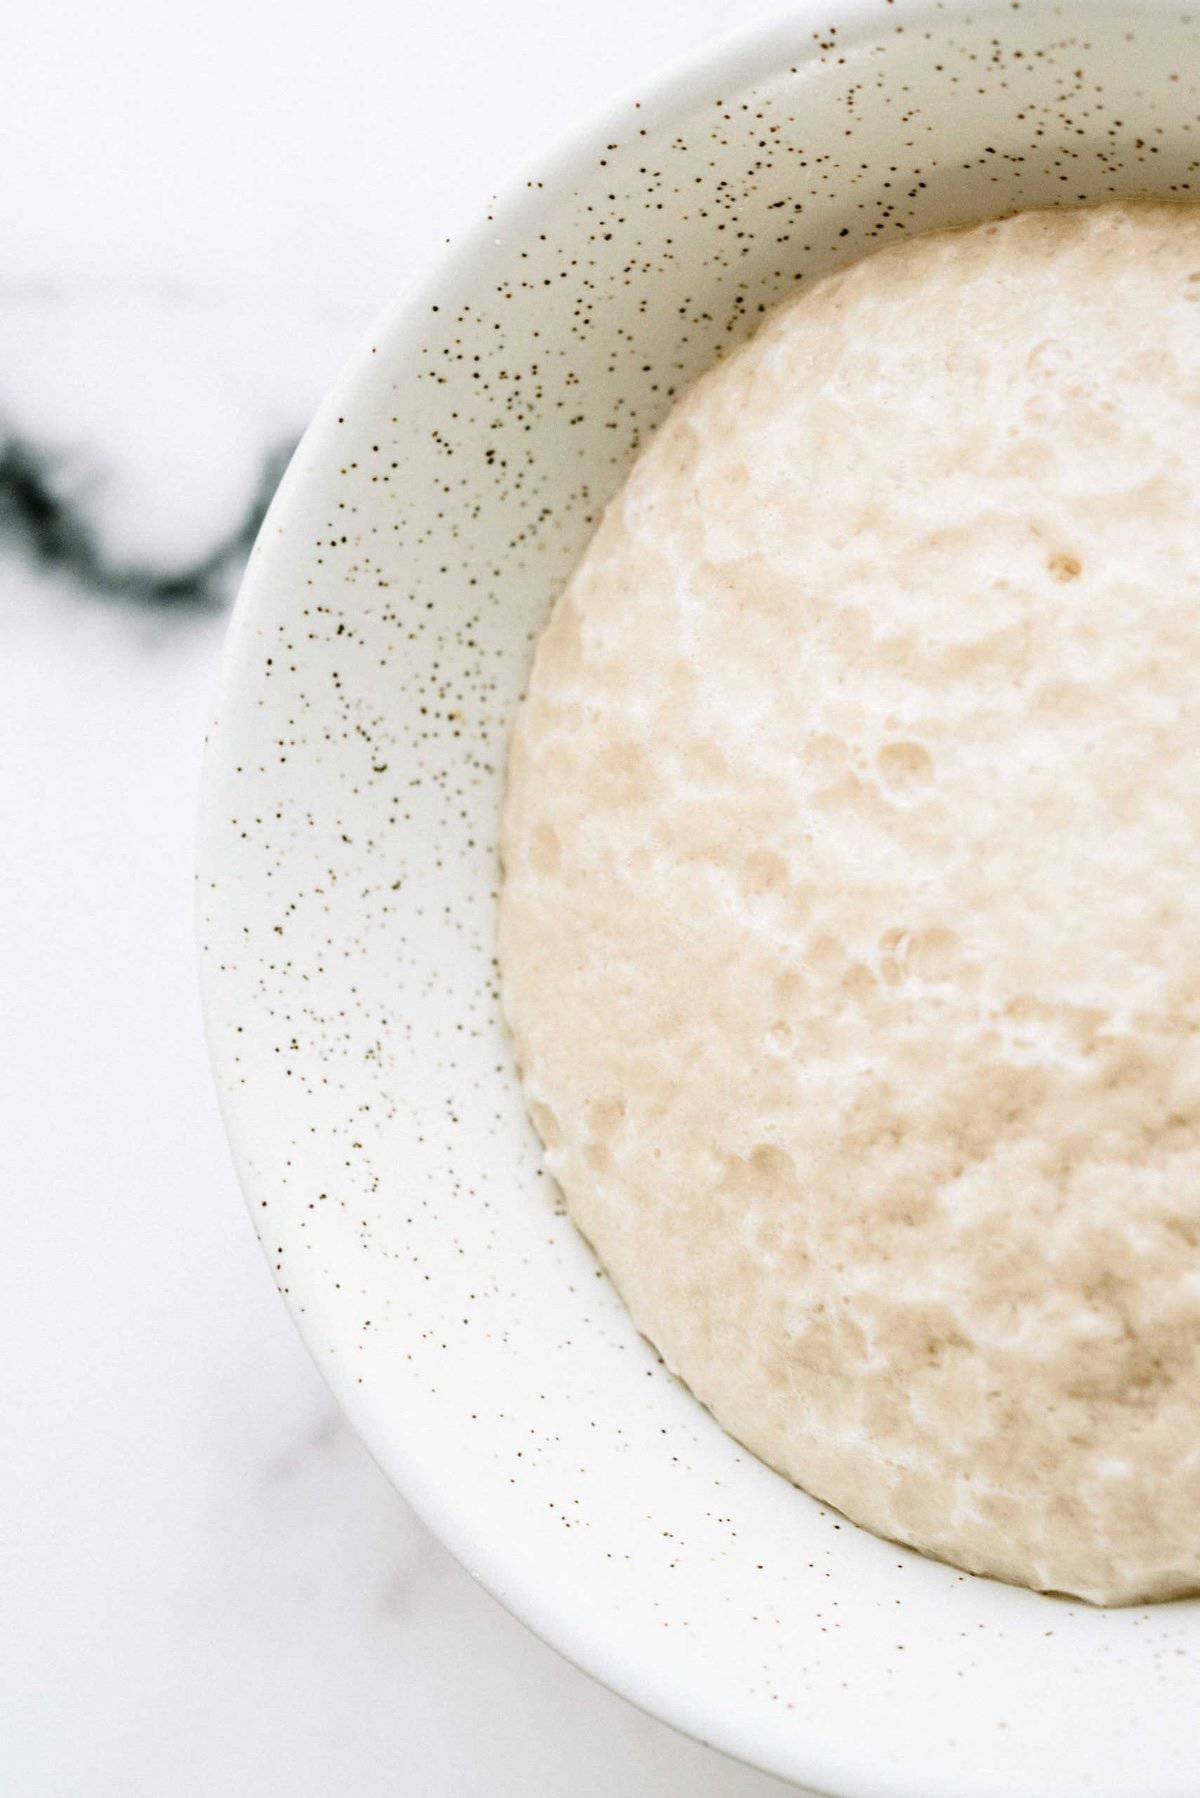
[850,922]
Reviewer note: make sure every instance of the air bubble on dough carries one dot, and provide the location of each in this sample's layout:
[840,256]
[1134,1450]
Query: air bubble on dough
[905,765]
[849,922]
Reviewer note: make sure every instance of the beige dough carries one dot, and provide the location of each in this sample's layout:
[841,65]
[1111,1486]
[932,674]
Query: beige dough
[850,929]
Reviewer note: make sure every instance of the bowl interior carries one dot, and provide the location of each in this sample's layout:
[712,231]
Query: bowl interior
[348,876]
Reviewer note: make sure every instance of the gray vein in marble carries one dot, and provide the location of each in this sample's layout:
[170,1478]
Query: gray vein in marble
[144,426]
[59,535]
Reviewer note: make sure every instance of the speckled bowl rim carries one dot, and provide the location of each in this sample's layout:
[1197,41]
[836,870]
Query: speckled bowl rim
[743,57]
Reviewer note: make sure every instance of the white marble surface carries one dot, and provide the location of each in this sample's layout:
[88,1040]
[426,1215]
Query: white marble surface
[207,1586]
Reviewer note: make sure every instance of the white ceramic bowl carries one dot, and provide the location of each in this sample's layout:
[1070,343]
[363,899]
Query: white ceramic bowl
[348,874]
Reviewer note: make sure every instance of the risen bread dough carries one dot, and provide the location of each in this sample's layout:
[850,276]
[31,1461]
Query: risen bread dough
[850,929]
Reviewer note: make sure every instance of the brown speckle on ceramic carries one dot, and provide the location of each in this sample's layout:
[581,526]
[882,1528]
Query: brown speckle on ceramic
[348,880]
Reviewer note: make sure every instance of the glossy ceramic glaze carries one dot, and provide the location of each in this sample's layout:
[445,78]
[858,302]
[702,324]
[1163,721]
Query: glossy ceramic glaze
[347,884]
